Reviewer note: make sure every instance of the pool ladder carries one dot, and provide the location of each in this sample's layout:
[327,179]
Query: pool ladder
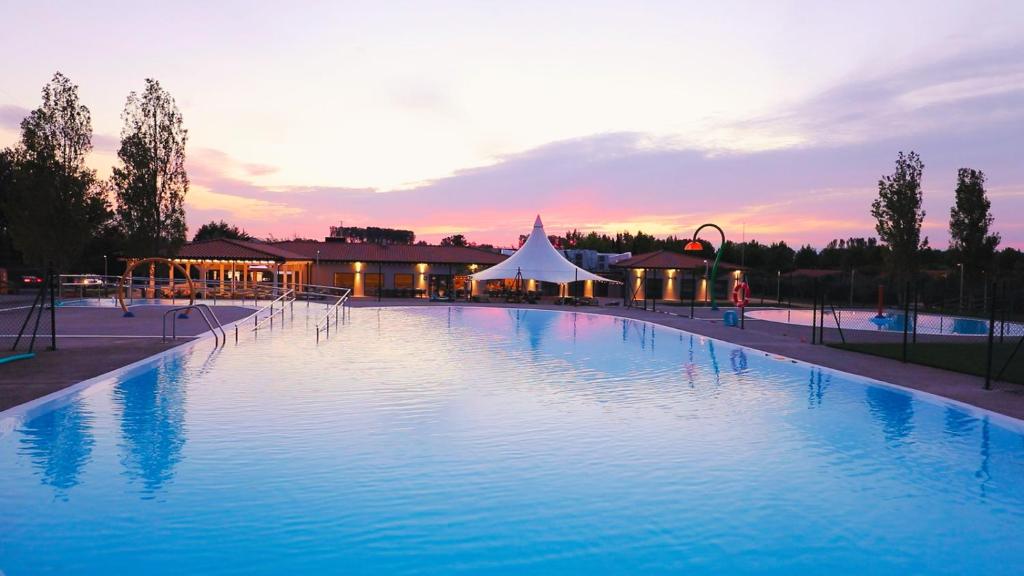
[206,312]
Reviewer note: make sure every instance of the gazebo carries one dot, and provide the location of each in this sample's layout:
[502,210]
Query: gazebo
[538,261]
[670,276]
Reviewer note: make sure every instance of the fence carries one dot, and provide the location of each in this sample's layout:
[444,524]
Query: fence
[979,332]
[27,317]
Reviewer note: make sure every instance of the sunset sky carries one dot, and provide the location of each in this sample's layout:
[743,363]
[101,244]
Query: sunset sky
[472,117]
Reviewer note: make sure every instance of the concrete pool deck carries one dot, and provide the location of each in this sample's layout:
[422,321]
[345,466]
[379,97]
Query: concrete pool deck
[93,341]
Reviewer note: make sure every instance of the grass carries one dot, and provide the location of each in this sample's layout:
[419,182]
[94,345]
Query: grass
[968,358]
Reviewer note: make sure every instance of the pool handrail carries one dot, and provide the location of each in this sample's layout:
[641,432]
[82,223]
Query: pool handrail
[203,309]
[325,319]
[285,297]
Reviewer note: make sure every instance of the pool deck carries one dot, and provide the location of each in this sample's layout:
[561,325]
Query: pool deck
[93,341]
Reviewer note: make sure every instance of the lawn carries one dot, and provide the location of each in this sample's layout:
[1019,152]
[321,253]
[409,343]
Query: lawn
[969,358]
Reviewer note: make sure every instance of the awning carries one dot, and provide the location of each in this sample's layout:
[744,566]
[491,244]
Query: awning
[538,260]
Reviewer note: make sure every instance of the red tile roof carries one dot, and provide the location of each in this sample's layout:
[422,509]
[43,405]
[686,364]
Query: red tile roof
[225,249]
[665,260]
[411,253]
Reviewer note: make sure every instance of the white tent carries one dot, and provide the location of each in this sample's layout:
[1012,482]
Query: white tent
[538,260]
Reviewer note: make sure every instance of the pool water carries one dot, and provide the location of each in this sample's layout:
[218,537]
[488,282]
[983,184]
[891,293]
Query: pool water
[499,441]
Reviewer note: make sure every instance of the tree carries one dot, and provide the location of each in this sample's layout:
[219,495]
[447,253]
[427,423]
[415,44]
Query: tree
[53,204]
[806,257]
[898,214]
[373,235]
[220,229]
[7,252]
[969,222]
[455,240]
[151,183]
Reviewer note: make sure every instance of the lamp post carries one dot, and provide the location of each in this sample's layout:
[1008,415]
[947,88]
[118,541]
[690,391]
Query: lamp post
[853,272]
[316,269]
[778,287]
[104,267]
[695,246]
[960,304]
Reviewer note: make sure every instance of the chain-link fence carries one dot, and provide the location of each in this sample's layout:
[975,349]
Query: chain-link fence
[926,321]
[27,316]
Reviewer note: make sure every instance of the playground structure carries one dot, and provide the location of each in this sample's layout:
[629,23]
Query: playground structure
[126,281]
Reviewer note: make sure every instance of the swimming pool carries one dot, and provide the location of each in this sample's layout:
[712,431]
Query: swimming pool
[891,321]
[495,441]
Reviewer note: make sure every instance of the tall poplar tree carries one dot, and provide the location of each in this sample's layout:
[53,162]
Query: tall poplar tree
[151,182]
[898,214]
[53,204]
[969,222]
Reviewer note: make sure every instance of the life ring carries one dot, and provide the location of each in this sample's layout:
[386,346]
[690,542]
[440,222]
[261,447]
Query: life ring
[741,294]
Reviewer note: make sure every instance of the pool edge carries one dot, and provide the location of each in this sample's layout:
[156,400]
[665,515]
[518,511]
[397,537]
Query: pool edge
[12,417]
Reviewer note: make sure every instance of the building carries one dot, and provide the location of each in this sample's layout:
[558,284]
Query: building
[233,266]
[664,275]
[405,268]
[593,260]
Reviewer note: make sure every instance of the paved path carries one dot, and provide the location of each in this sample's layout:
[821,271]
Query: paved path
[793,341]
[94,341]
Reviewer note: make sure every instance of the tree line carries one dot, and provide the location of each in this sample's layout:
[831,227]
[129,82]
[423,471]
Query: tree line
[54,210]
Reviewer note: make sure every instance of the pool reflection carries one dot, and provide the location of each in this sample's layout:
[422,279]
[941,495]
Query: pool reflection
[59,444]
[894,410]
[152,424]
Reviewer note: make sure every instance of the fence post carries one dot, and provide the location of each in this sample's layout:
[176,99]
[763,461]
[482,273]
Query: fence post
[917,293]
[814,311]
[906,318]
[54,285]
[1002,315]
[821,316]
[991,338]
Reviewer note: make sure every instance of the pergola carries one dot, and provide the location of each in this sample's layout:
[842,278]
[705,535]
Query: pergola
[237,266]
[668,269]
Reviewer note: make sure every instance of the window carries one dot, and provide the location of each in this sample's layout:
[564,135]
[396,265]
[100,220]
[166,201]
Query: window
[373,281]
[345,280]
[403,281]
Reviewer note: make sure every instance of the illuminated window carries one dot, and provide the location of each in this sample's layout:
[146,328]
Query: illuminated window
[345,280]
[403,281]
[372,281]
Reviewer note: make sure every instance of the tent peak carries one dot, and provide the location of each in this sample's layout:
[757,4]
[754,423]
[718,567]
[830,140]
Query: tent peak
[537,223]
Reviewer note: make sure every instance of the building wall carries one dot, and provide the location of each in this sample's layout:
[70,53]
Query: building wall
[414,276]
[677,283]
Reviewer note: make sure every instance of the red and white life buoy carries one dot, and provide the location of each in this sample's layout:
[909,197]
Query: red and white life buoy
[741,294]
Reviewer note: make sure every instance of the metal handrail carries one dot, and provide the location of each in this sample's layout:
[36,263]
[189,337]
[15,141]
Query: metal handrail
[287,296]
[326,318]
[203,309]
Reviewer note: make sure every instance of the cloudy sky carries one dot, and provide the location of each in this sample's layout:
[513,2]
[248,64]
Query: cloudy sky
[777,118]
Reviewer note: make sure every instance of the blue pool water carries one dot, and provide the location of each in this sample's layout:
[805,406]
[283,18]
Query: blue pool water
[494,441]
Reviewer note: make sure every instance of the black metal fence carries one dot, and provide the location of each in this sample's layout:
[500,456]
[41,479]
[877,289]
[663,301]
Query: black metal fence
[28,316]
[926,321]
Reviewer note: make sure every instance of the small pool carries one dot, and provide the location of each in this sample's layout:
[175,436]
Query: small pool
[499,441]
[891,321]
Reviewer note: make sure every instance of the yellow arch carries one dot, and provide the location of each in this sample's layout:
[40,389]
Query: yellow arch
[126,278]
